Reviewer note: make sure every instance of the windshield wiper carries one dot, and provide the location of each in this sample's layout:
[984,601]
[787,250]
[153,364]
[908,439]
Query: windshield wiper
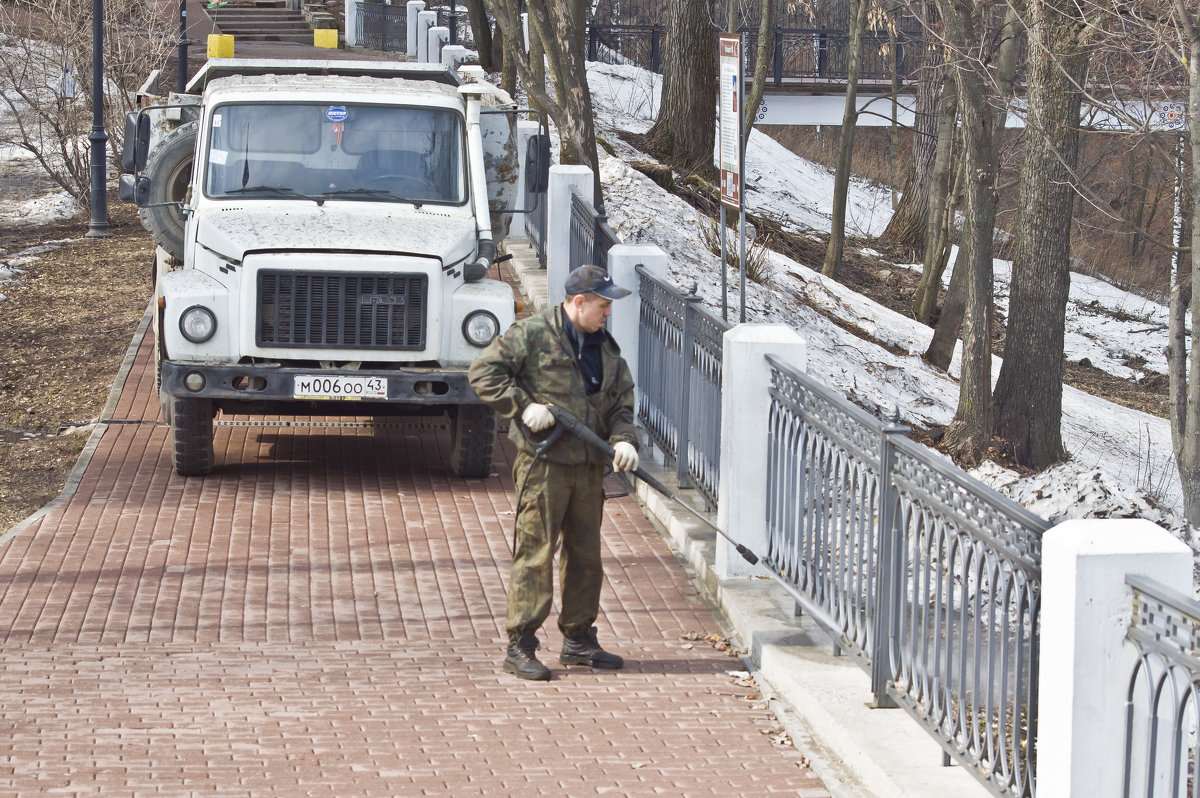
[277,190]
[366,192]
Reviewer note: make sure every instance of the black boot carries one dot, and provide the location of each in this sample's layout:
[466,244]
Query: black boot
[522,660]
[582,649]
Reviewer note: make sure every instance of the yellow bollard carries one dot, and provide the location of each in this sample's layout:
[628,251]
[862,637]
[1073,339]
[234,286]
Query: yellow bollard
[220,45]
[325,37]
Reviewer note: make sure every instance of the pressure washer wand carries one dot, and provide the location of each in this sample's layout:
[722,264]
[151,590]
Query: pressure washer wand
[580,430]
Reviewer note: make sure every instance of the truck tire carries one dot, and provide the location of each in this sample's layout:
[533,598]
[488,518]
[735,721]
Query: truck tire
[472,440]
[192,436]
[170,172]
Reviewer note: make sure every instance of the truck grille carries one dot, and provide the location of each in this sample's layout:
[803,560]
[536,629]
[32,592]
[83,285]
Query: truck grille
[339,310]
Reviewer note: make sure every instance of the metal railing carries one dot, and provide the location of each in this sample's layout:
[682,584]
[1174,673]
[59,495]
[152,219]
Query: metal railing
[637,45]
[929,577]
[382,27]
[679,382]
[385,27]
[1162,707]
[535,222]
[799,55]
[591,237]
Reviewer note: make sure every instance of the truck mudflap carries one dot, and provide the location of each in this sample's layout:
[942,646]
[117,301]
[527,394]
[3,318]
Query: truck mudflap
[256,383]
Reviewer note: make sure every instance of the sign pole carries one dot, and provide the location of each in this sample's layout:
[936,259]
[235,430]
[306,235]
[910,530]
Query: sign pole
[729,151]
[742,172]
[724,274]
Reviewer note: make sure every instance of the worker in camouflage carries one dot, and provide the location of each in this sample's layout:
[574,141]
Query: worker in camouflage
[563,356]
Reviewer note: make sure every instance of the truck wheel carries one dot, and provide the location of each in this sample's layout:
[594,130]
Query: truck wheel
[472,439]
[192,436]
[170,172]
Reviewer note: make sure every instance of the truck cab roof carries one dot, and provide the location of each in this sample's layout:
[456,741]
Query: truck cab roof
[225,67]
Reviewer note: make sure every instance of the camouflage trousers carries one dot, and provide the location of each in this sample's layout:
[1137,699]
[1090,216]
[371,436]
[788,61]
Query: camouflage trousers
[559,502]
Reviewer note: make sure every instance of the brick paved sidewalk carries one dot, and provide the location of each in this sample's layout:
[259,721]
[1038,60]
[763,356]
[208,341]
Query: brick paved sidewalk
[323,616]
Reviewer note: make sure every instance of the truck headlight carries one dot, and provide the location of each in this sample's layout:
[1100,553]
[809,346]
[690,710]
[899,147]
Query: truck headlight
[480,327]
[198,324]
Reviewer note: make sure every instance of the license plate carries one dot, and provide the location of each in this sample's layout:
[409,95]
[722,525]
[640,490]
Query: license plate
[316,386]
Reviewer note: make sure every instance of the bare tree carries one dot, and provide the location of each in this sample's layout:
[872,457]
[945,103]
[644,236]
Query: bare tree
[1027,399]
[982,108]
[999,49]
[1184,370]
[907,227]
[940,196]
[685,130]
[561,29]
[841,180]
[46,78]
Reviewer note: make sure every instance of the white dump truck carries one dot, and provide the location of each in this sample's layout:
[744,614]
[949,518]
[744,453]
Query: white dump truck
[325,233]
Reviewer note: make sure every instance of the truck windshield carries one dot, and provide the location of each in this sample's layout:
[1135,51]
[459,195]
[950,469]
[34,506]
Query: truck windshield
[321,151]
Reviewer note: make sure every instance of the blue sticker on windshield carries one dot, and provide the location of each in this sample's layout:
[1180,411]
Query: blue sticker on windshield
[337,113]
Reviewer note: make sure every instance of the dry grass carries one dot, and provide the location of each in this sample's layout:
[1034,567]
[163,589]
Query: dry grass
[64,329]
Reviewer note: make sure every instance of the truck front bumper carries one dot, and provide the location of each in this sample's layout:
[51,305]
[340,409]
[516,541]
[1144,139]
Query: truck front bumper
[258,383]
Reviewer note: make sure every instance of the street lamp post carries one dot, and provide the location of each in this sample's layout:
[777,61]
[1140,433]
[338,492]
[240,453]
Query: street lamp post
[181,83]
[98,226]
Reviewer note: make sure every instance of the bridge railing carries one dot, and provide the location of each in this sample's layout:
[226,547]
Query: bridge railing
[805,55]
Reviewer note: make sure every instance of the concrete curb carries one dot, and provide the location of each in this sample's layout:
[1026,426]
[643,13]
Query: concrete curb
[99,427]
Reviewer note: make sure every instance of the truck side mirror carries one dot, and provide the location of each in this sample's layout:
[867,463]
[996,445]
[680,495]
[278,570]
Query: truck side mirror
[537,164]
[137,142]
[133,188]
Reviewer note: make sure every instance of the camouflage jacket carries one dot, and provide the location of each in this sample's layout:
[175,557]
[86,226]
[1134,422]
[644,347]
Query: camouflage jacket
[534,362]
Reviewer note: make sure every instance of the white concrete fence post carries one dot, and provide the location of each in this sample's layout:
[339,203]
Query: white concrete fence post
[425,21]
[1085,661]
[414,7]
[439,37]
[350,14]
[745,405]
[453,55]
[623,260]
[565,180]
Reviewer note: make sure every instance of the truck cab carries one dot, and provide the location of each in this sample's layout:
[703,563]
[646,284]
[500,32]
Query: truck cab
[332,246]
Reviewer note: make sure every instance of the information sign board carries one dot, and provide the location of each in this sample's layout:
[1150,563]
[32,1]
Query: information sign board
[729,120]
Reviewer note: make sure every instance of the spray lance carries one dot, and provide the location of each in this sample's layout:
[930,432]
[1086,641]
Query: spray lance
[564,421]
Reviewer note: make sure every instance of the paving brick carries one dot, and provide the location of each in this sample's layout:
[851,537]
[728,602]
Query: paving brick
[324,616]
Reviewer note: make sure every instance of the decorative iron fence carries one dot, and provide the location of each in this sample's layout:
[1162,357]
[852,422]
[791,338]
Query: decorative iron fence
[799,55]
[382,27]
[679,382]
[1162,707]
[929,577]
[591,237]
[535,223]
[385,27]
[637,45]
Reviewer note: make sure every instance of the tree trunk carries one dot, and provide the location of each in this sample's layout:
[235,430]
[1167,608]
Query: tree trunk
[945,334]
[969,434]
[762,62]
[1027,400]
[907,228]
[1184,376]
[939,222]
[685,131]
[841,179]
[482,32]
